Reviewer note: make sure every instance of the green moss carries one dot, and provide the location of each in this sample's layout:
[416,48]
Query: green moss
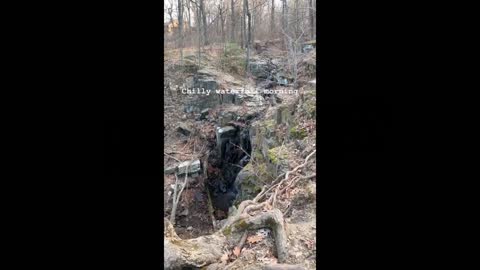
[270,124]
[248,167]
[227,231]
[298,133]
[233,59]
[276,154]
[310,107]
[257,155]
[241,225]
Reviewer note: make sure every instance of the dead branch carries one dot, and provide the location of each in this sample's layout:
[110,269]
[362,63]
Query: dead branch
[176,197]
[287,174]
[241,149]
[210,209]
[171,157]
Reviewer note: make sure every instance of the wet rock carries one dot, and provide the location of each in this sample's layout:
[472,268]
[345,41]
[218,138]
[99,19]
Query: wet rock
[189,83]
[170,170]
[228,98]
[204,113]
[184,213]
[223,201]
[267,84]
[247,184]
[226,132]
[281,79]
[259,46]
[223,135]
[193,167]
[260,68]
[189,108]
[206,83]
[184,129]
[307,48]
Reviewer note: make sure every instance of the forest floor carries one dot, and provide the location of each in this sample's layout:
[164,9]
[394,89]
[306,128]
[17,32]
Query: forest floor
[297,199]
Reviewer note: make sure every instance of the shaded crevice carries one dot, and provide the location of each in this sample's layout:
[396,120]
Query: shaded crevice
[229,155]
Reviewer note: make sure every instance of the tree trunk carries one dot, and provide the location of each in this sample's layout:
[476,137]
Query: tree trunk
[248,33]
[312,25]
[180,26]
[297,21]
[232,33]
[272,20]
[242,30]
[285,20]
[222,22]
[204,20]
[189,18]
[199,29]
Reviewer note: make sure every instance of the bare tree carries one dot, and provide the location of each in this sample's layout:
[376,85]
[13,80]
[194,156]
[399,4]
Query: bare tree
[221,12]
[242,29]
[272,19]
[312,24]
[232,31]
[180,26]
[248,33]
[204,22]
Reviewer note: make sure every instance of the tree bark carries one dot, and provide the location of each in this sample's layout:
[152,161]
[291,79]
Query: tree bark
[249,34]
[242,29]
[272,20]
[232,33]
[180,26]
[204,20]
[312,25]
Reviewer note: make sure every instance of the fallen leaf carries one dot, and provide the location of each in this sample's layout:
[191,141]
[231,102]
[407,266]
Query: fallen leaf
[236,251]
[224,258]
[254,239]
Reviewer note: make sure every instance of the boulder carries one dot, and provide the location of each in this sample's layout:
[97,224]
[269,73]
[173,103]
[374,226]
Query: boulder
[207,83]
[260,68]
[194,167]
[259,46]
[307,48]
[204,113]
[223,135]
[184,129]
[170,170]
[281,79]
[247,184]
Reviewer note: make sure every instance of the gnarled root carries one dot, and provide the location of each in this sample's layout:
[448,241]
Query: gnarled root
[272,219]
[206,250]
[198,252]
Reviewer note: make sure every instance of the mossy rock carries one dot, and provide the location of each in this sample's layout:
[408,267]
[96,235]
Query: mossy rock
[283,114]
[233,59]
[268,128]
[277,154]
[247,184]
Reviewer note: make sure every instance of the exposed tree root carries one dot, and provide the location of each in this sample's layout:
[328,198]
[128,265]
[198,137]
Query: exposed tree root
[206,250]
